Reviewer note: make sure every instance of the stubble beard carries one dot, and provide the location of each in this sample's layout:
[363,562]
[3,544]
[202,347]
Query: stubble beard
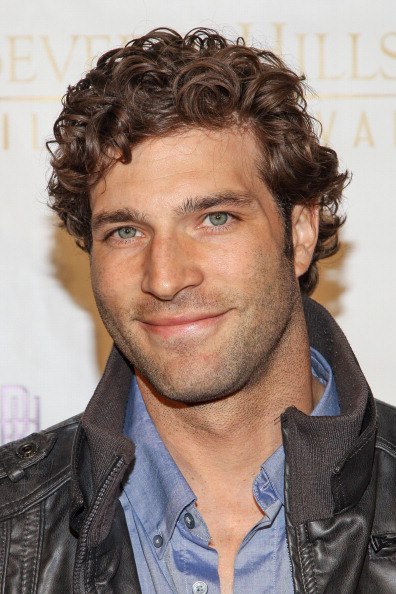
[239,362]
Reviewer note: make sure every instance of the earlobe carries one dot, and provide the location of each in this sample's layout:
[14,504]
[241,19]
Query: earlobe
[305,227]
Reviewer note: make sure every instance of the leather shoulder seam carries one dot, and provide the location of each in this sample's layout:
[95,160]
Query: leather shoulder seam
[14,508]
[387,446]
[64,424]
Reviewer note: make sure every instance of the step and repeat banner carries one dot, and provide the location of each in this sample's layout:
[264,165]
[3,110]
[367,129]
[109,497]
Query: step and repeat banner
[53,345]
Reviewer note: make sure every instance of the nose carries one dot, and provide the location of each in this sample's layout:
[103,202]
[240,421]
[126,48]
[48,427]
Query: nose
[171,265]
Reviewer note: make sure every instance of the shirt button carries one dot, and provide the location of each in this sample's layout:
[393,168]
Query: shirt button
[158,541]
[189,521]
[199,588]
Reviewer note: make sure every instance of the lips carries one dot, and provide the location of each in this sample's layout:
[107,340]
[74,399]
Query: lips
[172,326]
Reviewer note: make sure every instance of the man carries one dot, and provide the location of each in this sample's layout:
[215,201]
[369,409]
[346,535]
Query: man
[232,444]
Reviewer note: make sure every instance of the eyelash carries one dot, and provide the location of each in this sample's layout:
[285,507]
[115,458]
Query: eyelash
[112,234]
[211,228]
[219,228]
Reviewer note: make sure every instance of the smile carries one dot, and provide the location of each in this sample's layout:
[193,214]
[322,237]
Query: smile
[171,327]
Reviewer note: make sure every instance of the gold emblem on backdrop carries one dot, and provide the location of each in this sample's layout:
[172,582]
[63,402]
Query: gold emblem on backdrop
[31,63]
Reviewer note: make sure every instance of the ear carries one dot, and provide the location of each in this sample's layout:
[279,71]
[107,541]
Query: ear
[305,227]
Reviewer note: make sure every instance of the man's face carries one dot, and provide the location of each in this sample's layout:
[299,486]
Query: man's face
[188,263]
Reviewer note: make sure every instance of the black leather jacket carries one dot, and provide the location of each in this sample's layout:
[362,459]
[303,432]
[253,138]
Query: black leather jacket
[62,528]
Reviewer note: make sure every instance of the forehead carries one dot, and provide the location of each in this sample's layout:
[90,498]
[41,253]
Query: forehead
[186,153]
[189,163]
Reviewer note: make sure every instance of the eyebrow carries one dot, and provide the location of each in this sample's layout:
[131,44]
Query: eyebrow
[121,215]
[200,203]
[189,206]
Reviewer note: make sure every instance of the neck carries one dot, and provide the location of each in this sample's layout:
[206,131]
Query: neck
[239,432]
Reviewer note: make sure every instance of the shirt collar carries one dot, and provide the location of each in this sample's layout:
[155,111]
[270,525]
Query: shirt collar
[157,490]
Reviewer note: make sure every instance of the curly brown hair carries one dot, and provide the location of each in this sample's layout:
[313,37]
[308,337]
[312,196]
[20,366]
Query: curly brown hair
[163,82]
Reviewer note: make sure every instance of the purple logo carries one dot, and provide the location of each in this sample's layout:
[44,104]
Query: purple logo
[19,413]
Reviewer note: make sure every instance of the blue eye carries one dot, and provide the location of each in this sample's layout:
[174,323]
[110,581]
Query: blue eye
[218,218]
[126,232]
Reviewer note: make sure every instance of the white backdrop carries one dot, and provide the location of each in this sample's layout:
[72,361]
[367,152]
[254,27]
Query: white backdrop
[53,344]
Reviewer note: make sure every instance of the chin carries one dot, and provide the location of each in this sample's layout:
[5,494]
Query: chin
[193,390]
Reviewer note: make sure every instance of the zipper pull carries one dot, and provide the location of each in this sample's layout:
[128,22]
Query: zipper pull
[383,541]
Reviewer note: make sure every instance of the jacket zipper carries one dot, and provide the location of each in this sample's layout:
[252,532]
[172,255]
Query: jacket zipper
[86,526]
[284,423]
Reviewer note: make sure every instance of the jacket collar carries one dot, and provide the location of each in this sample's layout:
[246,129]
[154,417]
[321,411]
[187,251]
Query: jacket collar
[322,453]
[99,449]
[329,459]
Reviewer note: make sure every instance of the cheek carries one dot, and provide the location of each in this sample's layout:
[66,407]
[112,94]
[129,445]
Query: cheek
[249,259]
[99,274]
[234,260]
[108,279]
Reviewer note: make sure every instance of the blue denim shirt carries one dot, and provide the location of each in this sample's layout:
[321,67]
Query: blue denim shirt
[169,536]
